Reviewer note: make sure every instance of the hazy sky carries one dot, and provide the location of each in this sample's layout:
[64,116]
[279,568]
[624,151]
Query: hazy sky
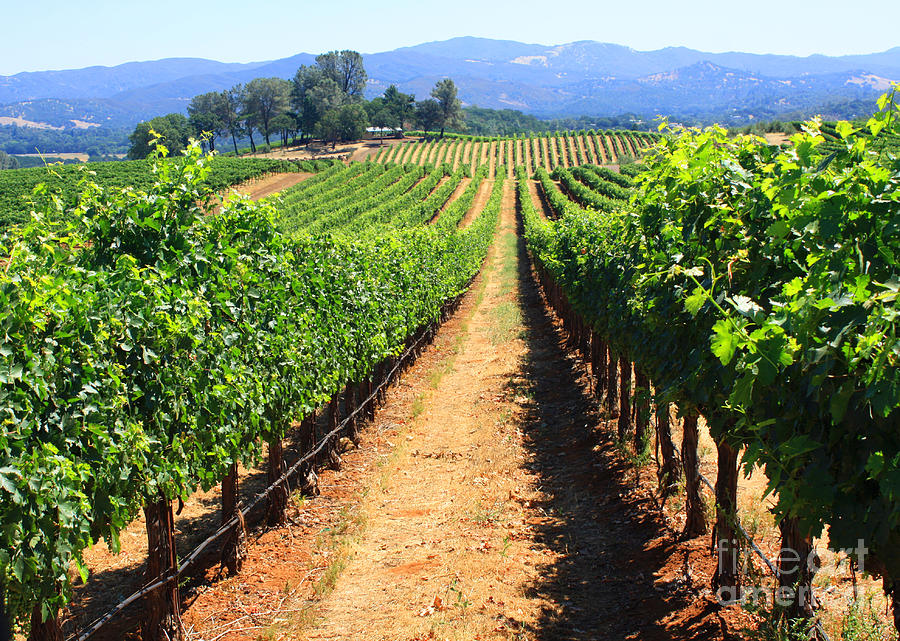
[62,34]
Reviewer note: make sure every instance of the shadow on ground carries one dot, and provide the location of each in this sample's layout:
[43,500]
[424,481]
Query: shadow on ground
[610,541]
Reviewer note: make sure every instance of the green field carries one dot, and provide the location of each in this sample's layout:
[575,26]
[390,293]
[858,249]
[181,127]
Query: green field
[67,181]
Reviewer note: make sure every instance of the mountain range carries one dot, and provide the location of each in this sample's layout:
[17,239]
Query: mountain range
[586,77]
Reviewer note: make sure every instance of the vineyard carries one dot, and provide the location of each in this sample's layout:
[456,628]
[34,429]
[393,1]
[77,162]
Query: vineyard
[67,181]
[565,149]
[382,197]
[185,345]
[756,288]
[718,285]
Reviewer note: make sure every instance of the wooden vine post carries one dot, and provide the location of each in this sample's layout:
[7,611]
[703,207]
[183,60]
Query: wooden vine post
[611,385]
[370,391]
[797,565]
[41,630]
[696,516]
[725,536]
[642,414]
[574,329]
[624,397]
[235,542]
[333,459]
[309,481]
[276,507]
[379,380]
[388,369]
[162,618]
[584,341]
[349,409]
[361,394]
[598,363]
[668,469]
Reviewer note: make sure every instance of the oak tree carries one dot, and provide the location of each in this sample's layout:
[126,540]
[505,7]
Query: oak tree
[346,69]
[428,114]
[450,114]
[205,116]
[266,98]
[172,130]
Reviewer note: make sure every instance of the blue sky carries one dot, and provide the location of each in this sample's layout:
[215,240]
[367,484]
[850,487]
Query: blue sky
[61,34]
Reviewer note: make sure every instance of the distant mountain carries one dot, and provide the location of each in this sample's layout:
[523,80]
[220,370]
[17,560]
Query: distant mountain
[577,78]
[105,82]
[596,59]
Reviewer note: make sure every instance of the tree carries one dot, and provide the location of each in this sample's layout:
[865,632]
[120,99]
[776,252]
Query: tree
[347,122]
[353,122]
[338,78]
[7,161]
[329,127]
[428,114]
[305,80]
[326,96]
[173,131]
[450,106]
[205,116]
[285,124]
[320,100]
[229,112]
[313,94]
[401,105]
[264,99]
[373,106]
[347,70]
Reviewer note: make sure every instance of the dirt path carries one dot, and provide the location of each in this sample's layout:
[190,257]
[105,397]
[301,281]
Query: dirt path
[460,153]
[481,198]
[258,189]
[417,154]
[560,146]
[405,153]
[486,501]
[550,158]
[504,514]
[614,148]
[586,151]
[582,149]
[433,152]
[492,159]
[537,198]
[439,184]
[601,151]
[463,184]
[442,147]
[372,147]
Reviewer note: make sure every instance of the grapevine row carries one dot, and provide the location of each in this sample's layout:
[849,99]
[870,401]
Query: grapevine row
[153,349]
[756,287]
[17,185]
[566,149]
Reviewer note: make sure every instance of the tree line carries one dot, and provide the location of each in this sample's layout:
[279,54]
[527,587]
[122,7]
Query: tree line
[323,101]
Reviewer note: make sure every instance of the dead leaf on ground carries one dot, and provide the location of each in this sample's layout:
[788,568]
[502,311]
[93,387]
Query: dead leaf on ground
[436,606]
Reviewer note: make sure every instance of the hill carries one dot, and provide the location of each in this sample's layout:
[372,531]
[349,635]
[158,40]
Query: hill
[587,77]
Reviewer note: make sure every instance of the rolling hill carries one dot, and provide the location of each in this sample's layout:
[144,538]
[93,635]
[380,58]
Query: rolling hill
[571,79]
